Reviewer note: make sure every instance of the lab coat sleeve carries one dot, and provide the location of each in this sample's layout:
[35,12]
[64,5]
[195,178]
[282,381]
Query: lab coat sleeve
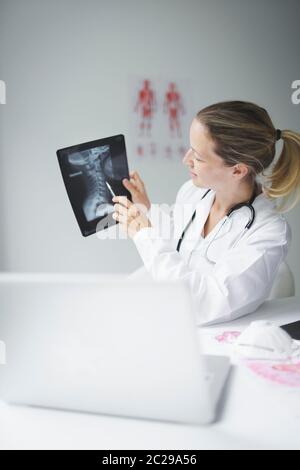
[240,281]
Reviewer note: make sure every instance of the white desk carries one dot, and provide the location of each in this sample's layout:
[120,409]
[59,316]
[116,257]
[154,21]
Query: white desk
[253,414]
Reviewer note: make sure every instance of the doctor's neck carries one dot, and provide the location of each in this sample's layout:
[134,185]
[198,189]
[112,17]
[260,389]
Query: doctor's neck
[225,200]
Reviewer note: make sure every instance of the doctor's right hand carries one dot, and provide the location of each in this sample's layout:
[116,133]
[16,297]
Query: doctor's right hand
[137,190]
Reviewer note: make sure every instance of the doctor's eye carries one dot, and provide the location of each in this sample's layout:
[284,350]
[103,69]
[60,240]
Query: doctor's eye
[196,156]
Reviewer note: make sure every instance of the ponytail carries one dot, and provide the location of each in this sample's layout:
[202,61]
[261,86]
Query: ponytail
[283,182]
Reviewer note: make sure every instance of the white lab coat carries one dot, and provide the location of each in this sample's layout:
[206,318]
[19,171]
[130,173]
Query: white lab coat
[242,276]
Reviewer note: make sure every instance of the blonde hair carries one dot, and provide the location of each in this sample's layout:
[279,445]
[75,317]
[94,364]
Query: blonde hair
[243,132]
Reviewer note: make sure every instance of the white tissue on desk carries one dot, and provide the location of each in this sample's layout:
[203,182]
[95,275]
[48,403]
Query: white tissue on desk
[266,341]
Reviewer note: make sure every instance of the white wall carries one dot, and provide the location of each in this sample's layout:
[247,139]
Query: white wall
[66,64]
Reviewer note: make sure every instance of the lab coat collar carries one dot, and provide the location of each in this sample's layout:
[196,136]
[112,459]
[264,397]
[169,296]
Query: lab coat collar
[203,208]
[261,200]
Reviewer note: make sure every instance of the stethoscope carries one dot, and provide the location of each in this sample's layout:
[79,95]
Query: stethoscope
[228,215]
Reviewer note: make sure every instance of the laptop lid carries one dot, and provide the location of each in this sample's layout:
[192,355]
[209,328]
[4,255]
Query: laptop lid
[106,345]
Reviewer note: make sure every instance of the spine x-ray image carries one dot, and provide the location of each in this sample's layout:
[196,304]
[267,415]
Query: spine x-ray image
[85,170]
[95,167]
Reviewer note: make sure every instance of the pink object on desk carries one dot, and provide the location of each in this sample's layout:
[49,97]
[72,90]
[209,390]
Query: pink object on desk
[287,374]
[228,337]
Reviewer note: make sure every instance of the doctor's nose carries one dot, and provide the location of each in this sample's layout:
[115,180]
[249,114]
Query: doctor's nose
[187,159]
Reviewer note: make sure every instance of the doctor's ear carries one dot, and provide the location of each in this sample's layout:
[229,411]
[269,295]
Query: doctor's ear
[240,170]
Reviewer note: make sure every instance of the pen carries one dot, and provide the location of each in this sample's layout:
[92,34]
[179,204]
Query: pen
[109,187]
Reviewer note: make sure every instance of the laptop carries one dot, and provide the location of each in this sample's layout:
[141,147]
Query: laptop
[106,344]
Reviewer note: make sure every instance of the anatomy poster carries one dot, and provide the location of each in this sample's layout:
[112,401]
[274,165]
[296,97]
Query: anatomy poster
[160,116]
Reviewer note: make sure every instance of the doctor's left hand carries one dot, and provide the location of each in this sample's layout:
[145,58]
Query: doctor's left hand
[131,218]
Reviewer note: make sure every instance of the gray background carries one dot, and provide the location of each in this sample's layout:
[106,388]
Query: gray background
[66,64]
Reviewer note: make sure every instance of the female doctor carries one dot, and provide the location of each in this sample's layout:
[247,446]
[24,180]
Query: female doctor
[227,235]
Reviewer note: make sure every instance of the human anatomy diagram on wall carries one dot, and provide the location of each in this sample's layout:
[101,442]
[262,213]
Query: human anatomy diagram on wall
[160,117]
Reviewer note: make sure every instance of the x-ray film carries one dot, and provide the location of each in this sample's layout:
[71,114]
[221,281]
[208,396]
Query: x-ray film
[85,170]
